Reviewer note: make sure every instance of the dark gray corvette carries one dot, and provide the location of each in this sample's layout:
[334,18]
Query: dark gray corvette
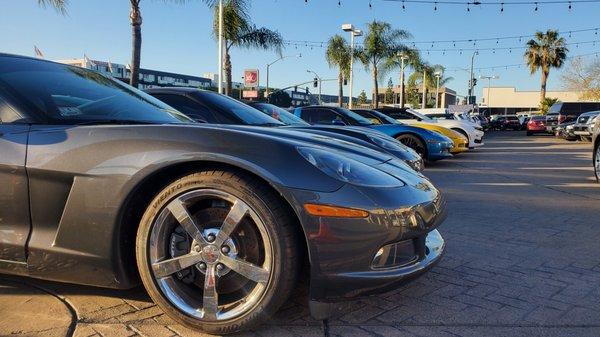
[101,184]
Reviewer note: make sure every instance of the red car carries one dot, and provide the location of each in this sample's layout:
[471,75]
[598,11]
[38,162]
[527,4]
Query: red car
[537,124]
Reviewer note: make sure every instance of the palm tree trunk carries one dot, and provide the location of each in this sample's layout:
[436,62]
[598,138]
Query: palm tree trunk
[135,17]
[544,80]
[228,86]
[341,88]
[375,87]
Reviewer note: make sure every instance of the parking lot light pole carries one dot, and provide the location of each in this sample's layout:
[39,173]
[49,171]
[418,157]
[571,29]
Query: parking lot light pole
[353,33]
[489,78]
[320,81]
[437,87]
[423,104]
[269,66]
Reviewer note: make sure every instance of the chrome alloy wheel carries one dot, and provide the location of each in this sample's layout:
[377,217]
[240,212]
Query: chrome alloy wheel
[223,264]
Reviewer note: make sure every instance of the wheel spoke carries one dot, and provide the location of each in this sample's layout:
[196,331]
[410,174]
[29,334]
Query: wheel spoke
[210,302]
[177,208]
[246,269]
[236,214]
[168,267]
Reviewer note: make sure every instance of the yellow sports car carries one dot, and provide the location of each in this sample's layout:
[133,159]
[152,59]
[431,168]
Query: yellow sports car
[461,143]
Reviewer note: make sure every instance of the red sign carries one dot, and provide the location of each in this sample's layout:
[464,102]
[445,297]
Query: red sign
[251,78]
[250,93]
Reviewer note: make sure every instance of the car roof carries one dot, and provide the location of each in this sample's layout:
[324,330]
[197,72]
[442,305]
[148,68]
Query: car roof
[591,113]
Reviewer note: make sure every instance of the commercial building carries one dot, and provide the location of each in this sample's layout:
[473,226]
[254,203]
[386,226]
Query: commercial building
[148,78]
[510,101]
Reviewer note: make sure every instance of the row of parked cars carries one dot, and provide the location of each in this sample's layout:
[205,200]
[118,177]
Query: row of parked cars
[217,207]
[571,121]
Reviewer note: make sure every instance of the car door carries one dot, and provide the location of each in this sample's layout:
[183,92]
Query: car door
[14,200]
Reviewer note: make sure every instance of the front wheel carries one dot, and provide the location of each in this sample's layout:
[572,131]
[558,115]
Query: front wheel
[414,143]
[216,250]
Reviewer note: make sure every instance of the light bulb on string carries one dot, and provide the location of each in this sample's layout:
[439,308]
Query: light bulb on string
[502,7]
[570,6]
[339,3]
[536,7]
[370,5]
[403,7]
[435,6]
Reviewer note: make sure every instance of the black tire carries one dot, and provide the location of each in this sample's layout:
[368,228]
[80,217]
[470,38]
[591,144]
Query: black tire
[279,224]
[596,161]
[414,143]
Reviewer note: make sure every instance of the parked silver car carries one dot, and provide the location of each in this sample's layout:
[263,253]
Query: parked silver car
[585,124]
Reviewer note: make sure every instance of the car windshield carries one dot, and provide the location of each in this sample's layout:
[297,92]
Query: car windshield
[279,114]
[385,117]
[70,95]
[244,112]
[358,118]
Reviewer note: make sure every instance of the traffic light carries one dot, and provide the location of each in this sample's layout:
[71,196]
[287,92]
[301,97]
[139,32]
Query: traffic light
[474,82]
[316,82]
[345,81]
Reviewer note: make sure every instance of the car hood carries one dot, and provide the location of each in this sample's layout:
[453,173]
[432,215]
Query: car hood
[391,129]
[300,138]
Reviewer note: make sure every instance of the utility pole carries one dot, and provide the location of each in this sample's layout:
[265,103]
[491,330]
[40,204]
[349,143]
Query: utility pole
[403,58]
[353,33]
[220,46]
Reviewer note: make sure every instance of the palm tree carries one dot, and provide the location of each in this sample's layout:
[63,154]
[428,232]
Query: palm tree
[412,59]
[135,18]
[546,51]
[239,31]
[381,43]
[338,55]
[59,5]
[426,72]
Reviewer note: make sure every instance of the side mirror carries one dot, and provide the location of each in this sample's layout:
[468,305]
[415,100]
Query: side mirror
[337,122]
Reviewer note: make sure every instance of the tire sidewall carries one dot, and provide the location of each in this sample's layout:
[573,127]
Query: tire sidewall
[259,312]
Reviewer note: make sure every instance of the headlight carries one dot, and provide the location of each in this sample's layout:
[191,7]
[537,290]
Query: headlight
[592,120]
[348,170]
[388,144]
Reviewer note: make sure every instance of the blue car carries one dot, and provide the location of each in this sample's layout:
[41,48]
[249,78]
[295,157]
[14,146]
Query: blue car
[430,145]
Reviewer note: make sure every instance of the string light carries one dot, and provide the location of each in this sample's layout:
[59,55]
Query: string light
[536,6]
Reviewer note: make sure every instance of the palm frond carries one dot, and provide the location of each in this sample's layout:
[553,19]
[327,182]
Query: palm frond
[59,5]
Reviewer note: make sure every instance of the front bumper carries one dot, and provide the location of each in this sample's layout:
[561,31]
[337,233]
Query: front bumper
[476,140]
[460,145]
[346,253]
[582,130]
[439,150]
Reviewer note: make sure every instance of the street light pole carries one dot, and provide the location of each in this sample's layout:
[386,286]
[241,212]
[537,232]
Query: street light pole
[403,58]
[269,65]
[489,78]
[471,75]
[353,33]
[320,82]
[220,47]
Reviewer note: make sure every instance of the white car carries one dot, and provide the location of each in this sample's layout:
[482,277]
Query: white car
[466,127]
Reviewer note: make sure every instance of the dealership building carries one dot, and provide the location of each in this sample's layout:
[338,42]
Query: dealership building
[148,78]
[510,101]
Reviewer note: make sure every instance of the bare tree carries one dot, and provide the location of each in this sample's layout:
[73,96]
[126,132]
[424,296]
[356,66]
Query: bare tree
[584,77]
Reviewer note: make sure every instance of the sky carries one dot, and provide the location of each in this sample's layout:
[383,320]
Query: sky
[178,37]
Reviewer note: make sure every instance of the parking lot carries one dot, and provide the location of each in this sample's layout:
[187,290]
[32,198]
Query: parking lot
[522,260]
